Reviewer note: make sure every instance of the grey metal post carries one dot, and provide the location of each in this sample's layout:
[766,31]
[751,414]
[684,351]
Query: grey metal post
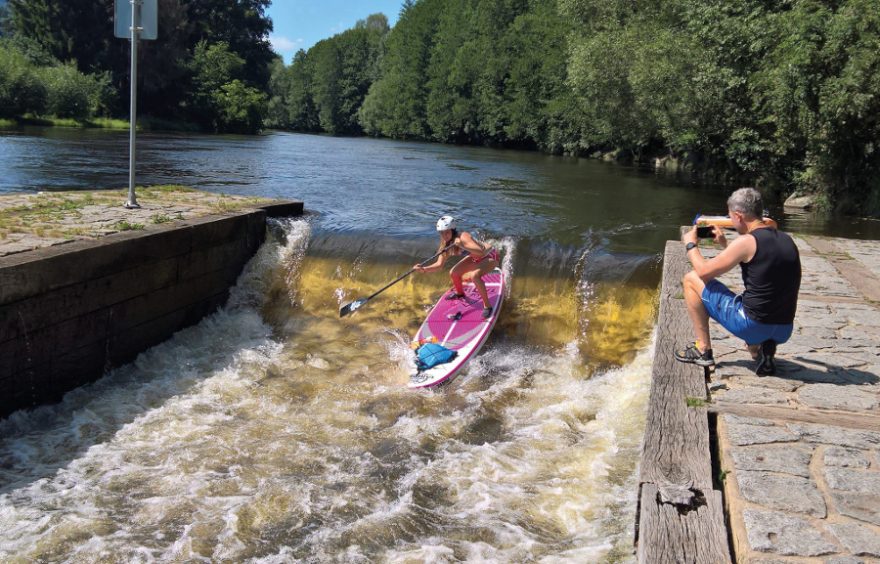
[132,159]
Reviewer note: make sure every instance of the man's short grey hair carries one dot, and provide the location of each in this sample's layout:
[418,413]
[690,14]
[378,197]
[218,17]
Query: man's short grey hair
[746,201]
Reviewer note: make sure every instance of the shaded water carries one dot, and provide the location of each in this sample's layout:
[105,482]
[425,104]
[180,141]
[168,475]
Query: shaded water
[273,431]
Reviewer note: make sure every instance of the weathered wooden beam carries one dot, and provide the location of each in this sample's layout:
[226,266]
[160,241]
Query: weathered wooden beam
[680,516]
[672,534]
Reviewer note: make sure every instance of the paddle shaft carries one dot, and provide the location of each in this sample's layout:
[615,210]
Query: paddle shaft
[411,270]
[402,276]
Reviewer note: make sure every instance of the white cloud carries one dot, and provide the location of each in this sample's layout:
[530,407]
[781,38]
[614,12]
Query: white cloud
[283,44]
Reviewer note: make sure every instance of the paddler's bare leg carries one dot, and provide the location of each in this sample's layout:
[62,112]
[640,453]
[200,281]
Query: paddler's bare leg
[457,272]
[475,272]
[467,269]
[486,267]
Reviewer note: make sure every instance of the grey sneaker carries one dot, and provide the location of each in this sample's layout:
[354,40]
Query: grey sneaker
[692,355]
[766,361]
[487,312]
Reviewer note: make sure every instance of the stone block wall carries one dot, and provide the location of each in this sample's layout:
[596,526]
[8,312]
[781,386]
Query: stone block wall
[69,313]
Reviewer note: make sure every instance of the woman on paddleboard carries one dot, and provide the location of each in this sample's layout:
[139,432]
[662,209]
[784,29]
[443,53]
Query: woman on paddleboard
[479,259]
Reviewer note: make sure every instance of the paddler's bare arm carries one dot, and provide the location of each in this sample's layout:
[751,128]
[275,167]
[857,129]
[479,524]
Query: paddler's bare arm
[471,245]
[437,265]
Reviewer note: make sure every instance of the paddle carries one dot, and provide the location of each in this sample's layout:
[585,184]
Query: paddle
[356,305]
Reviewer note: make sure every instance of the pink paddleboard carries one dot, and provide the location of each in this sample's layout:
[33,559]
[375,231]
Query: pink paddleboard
[459,325]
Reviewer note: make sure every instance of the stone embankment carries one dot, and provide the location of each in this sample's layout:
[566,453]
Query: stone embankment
[800,451]
[795,455]
[86,285]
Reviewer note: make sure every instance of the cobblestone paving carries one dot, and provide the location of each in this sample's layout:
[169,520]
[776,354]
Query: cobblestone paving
[800,451]
[31,221]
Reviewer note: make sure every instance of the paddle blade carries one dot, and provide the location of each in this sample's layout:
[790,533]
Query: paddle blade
[351,308]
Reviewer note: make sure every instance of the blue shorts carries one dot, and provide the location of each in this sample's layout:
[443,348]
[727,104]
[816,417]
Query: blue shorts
[727,309]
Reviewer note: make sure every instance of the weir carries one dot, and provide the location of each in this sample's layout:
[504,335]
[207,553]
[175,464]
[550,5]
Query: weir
[273,430]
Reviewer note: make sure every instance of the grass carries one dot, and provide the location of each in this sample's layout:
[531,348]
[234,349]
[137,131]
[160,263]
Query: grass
[695,402]
[52,121]
[226,204]
[144,124]
[160,218]
[60,215]
[42,216]
[126,226]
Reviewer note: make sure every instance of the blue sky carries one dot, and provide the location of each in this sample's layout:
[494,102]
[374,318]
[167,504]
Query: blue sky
[299,24]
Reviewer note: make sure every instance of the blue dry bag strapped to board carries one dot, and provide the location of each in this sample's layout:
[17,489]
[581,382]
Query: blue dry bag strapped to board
[430,355]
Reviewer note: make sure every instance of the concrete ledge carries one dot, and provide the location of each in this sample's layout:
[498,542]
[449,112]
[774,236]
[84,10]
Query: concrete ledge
[70,312]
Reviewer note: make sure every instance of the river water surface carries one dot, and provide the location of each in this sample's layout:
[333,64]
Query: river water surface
[273,431]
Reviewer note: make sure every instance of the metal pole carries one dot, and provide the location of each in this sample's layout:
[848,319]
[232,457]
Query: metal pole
[132,160]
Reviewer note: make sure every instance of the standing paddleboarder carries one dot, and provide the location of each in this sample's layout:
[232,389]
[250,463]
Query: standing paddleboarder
[480,260]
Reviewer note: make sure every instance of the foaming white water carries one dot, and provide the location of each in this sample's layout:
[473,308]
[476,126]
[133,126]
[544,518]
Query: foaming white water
[507,246]
[286,253]
[559,481]
[86,479]
[230,444]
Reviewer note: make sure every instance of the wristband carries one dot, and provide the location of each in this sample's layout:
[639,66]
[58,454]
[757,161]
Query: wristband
[689,246]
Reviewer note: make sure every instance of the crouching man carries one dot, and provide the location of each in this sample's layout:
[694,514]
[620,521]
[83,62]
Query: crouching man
[763,314]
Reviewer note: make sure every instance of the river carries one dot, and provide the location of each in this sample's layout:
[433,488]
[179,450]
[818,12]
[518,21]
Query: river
[273,431]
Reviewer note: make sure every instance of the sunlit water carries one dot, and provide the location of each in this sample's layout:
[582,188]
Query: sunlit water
[274,431]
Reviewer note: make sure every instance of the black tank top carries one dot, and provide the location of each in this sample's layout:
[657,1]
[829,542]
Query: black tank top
[772,278]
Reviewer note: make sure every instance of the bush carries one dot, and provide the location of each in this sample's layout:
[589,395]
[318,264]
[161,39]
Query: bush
[241,108]
[70,92]
[21,89]
[104,96]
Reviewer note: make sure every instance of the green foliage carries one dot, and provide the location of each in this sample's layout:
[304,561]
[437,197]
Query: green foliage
[71,94]
[21,89]
[241,107]
[396,104]
[780,93]
[81,32]
[221,100]
[125,225]
[324,89]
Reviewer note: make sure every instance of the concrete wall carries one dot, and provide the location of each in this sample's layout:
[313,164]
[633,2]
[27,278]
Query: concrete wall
[69,313]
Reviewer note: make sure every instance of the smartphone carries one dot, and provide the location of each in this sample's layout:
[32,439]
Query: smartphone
[705,232]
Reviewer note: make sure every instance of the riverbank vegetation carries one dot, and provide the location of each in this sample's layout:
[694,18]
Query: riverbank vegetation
[209,68]
[782,94]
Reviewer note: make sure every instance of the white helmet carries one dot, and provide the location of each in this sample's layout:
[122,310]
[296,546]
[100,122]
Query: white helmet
[445,222]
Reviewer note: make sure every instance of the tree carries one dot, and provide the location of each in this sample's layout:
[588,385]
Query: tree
[21,89]
[395,105]
[240,108]
[243,26]
[81,31]
[302,112]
